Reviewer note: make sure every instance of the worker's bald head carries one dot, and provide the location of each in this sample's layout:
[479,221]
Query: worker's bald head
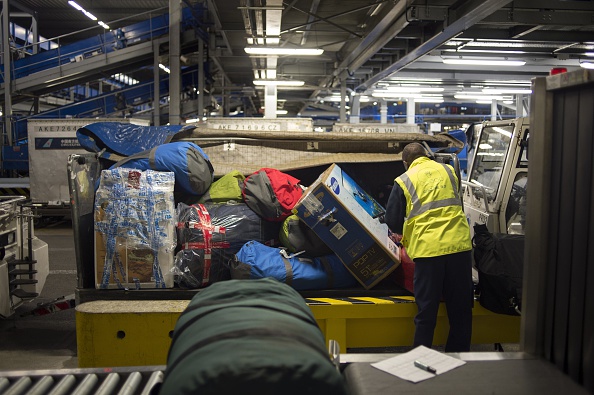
[413,151]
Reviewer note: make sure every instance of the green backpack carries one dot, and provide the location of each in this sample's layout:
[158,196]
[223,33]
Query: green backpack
[226,188]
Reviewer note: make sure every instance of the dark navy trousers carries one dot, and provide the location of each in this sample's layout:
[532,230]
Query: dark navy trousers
[448,277]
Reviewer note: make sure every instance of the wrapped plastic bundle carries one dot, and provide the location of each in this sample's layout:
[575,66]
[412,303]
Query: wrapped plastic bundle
[135,234]
[210,234]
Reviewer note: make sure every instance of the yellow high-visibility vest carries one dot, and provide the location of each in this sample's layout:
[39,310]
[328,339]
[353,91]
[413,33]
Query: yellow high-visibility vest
[435,223]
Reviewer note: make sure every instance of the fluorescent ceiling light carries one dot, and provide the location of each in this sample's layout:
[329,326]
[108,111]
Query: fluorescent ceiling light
[587,65]
[429,100]
[481,51]
[281,112]
[496,91]
[125,79]
[89,15]
[589,54]
[508,82]
[477,97]
[484,62]
[396,95]
[279,82]
[164,68]
[412,89]
[75,5]
[103,25]
[282,51]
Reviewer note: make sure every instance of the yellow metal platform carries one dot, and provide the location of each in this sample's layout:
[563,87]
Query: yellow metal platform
[138,333]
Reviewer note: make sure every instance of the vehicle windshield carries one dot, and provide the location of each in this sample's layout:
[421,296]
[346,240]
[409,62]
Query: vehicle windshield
[489,158]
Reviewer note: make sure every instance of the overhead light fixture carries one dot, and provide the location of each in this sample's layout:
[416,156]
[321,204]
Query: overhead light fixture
[279,82]
[281,112]
[467,96]
[429,100]
[496,91]
[125,79]
[412,89]
[587,65]
[589,54]
[164,68]
[75,5]
[282,51]
[87,14]
[396,95]
[90,16]
[484,62]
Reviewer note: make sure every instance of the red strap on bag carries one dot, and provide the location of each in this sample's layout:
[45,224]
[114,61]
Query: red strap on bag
[208,229]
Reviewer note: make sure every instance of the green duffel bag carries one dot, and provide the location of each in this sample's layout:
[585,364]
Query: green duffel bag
[226,188]
[249,337]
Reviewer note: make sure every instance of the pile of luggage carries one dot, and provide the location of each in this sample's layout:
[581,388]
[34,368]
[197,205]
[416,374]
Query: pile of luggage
[163,221]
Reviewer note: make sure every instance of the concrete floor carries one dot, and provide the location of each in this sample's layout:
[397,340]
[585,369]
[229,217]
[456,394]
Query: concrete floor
[30,342]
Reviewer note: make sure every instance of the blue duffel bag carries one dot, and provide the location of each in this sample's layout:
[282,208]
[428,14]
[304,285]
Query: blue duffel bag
[114,141]
[256,260]
[192,168]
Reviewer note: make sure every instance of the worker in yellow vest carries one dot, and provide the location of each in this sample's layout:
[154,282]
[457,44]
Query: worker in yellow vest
[425,208]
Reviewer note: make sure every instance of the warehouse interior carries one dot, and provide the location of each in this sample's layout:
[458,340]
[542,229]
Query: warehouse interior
[438,64]
[374,53]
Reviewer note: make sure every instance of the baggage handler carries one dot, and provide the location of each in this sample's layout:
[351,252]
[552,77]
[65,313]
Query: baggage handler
[425,208]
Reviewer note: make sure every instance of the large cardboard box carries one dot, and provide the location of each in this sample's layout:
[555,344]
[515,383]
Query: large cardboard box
[135,229]
[346,218]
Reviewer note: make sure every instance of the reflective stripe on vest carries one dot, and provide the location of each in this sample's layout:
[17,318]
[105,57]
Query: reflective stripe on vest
[418,209]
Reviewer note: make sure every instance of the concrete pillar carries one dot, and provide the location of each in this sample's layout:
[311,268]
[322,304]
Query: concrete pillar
[201,78]
[493,110]
[410,110]
[156,86]
[520,109]
[270,101]
[7,113]
[174,62]
[343,95]
[383,111]
[355,109]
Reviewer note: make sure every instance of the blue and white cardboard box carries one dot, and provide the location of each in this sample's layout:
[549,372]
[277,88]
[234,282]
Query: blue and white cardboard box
[346,218]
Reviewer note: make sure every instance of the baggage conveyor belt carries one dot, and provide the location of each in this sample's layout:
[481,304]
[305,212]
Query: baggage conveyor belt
[485,372]
[138,332]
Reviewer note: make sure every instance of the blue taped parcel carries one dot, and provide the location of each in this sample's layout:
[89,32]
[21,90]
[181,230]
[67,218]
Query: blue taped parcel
[135,236]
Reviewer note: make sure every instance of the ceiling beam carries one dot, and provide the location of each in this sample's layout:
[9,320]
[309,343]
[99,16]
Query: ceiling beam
[469,13]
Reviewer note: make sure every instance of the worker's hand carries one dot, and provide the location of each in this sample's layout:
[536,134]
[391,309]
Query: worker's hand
[396,238]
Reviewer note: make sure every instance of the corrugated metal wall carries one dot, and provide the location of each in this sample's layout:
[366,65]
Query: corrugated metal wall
[558,320]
